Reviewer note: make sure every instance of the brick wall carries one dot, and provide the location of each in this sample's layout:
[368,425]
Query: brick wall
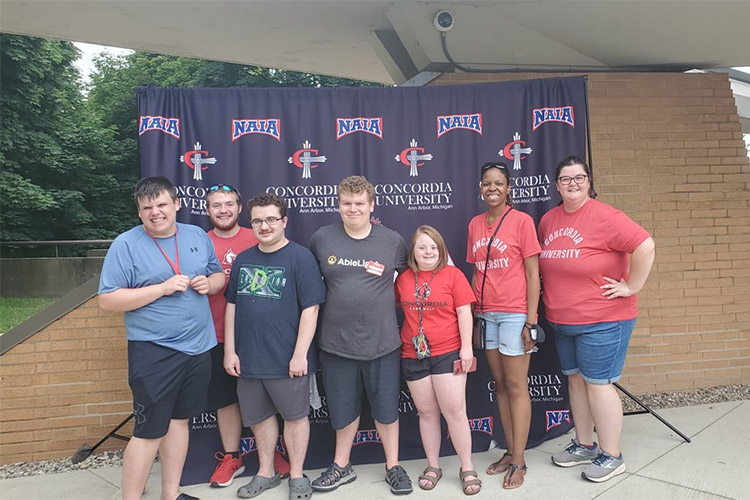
[668,151]
[65,386]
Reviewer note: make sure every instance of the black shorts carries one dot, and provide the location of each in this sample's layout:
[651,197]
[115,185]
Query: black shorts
[222,389]
[344,379]
[415,369]
[166,385]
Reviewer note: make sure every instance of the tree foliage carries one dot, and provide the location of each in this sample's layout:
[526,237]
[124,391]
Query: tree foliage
[53,177]
[69,159]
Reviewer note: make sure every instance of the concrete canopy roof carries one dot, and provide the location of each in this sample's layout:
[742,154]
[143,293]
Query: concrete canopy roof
[392,41]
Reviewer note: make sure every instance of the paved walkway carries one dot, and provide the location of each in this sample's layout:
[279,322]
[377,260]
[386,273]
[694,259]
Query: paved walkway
[716,465]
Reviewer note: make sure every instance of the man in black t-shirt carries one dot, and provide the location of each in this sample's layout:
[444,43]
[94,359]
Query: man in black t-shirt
[273,296]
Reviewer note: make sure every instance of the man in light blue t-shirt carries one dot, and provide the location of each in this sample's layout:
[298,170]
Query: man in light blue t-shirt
[159,274]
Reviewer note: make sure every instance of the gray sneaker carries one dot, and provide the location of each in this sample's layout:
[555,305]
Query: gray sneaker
[604,467]
[575,454]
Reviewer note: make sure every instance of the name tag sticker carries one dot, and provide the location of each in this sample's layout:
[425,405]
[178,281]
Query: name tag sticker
[375,268]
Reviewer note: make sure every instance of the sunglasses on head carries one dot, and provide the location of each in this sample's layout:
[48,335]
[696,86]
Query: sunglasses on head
[492,164]
[222,187]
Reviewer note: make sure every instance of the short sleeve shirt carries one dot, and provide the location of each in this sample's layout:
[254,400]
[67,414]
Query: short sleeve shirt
[181,321]
[505,289]
[270,291]
[449,290]
[227,250]
[578,250]
[359,317]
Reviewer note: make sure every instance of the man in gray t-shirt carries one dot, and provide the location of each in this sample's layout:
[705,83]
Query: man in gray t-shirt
[359,336]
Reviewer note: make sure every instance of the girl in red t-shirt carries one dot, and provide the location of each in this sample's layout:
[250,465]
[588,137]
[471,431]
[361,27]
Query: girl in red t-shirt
[506,283]
[594,260]
[436,339]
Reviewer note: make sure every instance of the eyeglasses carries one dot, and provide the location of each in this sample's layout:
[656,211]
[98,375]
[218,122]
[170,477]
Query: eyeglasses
[492,164]
[578,179]
[270,221]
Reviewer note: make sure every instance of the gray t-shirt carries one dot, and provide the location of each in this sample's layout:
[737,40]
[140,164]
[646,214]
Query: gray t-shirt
[358,320]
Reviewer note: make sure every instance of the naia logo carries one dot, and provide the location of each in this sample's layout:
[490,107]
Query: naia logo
[372,126]
[515,150]
[553,418]
[366,436]
[562,114]
[195,159]
[483,424]
[170,126]
[413,157]
[472,122]
[265,126]
[306,159]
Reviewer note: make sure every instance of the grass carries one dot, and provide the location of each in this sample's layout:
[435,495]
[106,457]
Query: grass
[16,310]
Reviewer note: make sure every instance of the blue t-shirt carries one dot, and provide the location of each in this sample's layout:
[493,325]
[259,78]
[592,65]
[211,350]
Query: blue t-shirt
[181,321]
[269,291]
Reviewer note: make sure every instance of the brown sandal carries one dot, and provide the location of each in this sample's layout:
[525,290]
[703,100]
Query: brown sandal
[513,468]
[432,479]
[495,467]
[466,483]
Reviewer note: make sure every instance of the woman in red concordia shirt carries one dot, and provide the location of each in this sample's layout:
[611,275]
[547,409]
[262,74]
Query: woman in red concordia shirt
[508,303]
[436,351]
[594,260]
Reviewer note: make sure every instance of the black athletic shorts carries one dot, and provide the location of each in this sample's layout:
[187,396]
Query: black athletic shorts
[166,385]
[345,379]
[222,390]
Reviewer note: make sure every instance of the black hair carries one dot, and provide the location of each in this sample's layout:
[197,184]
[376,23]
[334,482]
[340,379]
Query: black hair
[266,199]
[571,160]
[151,187]
[503,168]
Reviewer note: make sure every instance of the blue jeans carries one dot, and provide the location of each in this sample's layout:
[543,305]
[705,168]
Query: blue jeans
[504,332]
[596,350]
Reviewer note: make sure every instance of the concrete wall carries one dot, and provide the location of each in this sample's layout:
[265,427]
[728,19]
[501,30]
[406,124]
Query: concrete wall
[46,277]
[668,151]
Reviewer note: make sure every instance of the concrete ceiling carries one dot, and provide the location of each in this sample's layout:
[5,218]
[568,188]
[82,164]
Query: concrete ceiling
[393,41]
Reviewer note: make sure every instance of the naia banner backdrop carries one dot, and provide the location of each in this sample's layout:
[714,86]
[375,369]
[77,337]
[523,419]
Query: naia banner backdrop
[421,147]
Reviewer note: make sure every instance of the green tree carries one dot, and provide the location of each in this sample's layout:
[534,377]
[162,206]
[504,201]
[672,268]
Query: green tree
[53,178]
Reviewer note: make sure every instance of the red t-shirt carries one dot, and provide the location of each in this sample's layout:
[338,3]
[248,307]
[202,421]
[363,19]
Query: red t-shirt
[449,289]
[226,250]
[505,289]
[578,250]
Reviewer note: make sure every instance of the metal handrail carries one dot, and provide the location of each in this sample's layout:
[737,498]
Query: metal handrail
[56,243]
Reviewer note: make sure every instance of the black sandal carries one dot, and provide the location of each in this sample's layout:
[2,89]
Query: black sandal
[513,468]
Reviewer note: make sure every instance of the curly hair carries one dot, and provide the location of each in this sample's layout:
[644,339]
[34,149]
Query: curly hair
[266,199]
[355,184]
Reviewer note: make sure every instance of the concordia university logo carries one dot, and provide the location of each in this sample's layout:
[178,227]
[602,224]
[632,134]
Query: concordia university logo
[305,159]
[195,160]
[413,157]
[514,151]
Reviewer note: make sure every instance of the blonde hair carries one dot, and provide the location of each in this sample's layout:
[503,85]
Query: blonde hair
[435,236]
[355,184]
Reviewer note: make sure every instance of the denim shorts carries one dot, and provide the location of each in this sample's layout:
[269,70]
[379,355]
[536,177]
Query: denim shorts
[504,332]
[596,350]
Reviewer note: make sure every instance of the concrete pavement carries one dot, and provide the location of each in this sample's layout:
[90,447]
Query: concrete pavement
[716,465]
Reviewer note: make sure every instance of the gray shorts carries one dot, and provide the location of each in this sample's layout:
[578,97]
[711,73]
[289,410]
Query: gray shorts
[262,398]
[344,379]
